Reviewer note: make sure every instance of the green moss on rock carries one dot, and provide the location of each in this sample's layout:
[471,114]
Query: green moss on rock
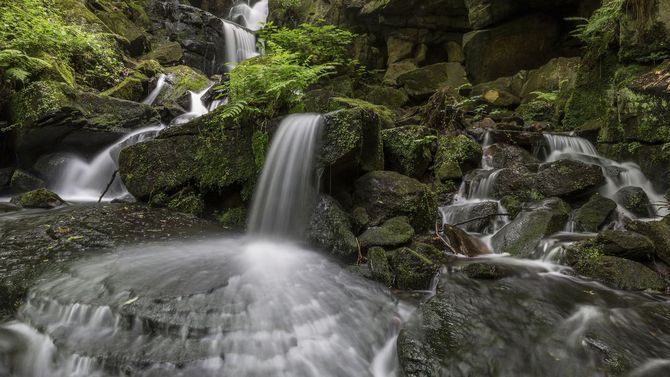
[40,198]
[393,232]
[234,218]
[380,268]
[455,155]
[407,149]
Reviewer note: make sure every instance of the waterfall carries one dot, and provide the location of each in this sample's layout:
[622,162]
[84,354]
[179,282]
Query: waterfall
[151,98]
[287,184]
[197,109]
[627,173]
[240,44]
[251,17]
[84,180]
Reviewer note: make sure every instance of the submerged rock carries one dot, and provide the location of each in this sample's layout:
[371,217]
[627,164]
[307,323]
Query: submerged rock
[385,194]
[330,229]
[635,200]
[521,237]
[40,198]
[393,232]
[462,243]
[594,214]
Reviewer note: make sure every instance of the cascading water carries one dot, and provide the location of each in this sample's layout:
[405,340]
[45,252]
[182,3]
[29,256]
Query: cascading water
[240,44]
[250,16]
[287,183]
[223,307]
[151,98]
[197,109]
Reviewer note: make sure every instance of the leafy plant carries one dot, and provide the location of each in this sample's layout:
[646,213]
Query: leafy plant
[16,68]
[601,29]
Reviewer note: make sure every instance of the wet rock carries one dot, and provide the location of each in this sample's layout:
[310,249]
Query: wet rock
[472,217]
[330,229]
[455,155]
[565,178]
[8,207]
[635,200]
[386,96]
[380,268]
[360,219]
[179,82]
[501,156]
[521,237]
[423,82]
[658,232]
[594,214]
[487,271]
[23,181]
[33,243]
[624,244]
[385,194]
[589,260]
[415,267]
[407,149]
[51,166]
[462,243]
[40,198]
[393,232]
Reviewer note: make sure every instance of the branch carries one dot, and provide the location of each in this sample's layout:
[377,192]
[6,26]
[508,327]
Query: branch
[108,186]
[481,218]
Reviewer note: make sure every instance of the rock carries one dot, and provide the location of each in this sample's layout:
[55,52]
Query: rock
[475,217]
[125,20]
[395,70]
[398,49]
[421,83]
[487,271]
[645,31]
[179,82]
[625,244]
[50,166]
[565,178]
[594,214]
[618,272]
[407,149]
[455,53]
[167,53]
[6,177]
[530,41]
[330,229]
[658,232]
[521,237]
[380,268]
[462,243]
[500,156]
[455,155]
[23,181]
[40,198]
[132,88]
[551,77]
[233,218]
[8,207]
[33,244]
[360,219]
[414,267]
[386,194]
[52,117]
[393,232]
[386,96]
[635,200]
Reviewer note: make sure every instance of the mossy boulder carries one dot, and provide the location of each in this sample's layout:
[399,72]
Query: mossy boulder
[590,261]
[635,200]
[187,201]
[594,214]
[566,178]
[330,229]
[132,88]
[625,244]
[500,156]
[455,155]
[658,232]
[387,96]
[181,80]
[392,233]
[40,198]
[127,19]
[407,149]
[421,83]
[415,267]
[398,69]
[233,218]
[386,194]
[380,269]
[166,53]
[22,181]
[521,237]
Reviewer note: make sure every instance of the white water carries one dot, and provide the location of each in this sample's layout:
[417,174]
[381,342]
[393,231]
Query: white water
[240,44]
[198,108]
[151,98]
[288,182]
[253,17]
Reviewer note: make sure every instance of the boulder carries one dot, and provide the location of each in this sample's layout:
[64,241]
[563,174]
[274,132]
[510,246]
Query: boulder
[179,82]
[8,207]
[330,229]
[385,194]
[625,244]
[398,69]
[421,83]
[386,96]
[407,149]
[455,155]
[40,198]
[500,156]
[529,42]
[475,217]
[398,49]
[53,117]
[380,269]
[126,20]
[566,178]
[594,214]
[521,237]
[645,31]
[590,261]
[462,243]
[392,233]
[635,200]
[414,267]
[658,232]
[23,181]
[6,177]
[557,74]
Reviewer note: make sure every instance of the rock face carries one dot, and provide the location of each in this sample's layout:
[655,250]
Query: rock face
[594,214]
[52,116]
[658,232]
[423,82]
[330,229]
[35,243]
[635,200]
[521,237]
[624,244]
[501,156]
[566,178]
[40,198]
[386,194]
[407,150]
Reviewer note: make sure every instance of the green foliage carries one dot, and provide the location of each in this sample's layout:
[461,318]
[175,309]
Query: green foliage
[601,29]
[16,68]
[38,27]
[312,44]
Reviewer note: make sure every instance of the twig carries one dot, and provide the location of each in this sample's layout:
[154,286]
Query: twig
[359,260]
[444,240]
[108,186]
[481,218]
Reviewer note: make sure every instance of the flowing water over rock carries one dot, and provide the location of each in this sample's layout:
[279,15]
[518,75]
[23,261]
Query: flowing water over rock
[240,44]
[250,16]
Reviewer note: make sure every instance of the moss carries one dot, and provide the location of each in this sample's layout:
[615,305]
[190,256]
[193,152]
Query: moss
[166,53]
[383,112]
[260,140]
[234,218]
[536,110]
[393,232]
[392,98]
[37,100]
[40,198]
[187,202]
[379,266]
[407,149]
[513,204]
[132,88]
[453,156]
[412,269]
[149,68]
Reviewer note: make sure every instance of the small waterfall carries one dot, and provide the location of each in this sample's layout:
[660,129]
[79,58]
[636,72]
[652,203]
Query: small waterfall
[250,16]
[618,175]
[84,180]
[483,188]
[287,183]
[197,109]
[151,98]
[240,44]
